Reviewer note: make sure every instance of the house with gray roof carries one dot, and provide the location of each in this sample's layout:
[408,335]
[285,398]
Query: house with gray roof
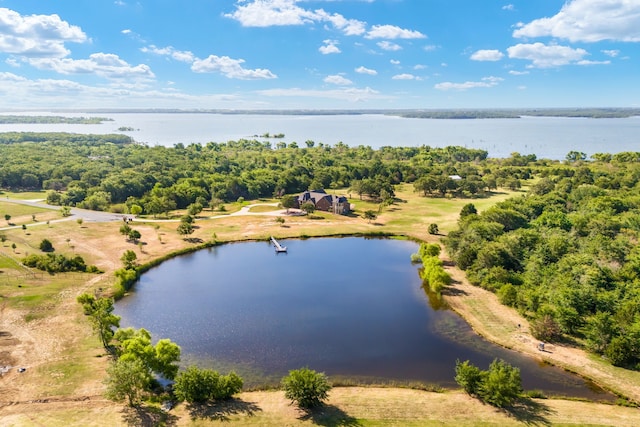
[325,202]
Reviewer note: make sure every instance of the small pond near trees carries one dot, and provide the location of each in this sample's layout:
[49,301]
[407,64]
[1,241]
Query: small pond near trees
[351,307]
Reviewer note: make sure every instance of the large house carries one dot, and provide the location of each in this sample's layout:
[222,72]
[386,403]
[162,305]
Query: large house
[325,202]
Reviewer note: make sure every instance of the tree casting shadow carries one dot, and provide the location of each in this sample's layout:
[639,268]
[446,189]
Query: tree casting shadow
[530,412]
[148,416]
[329,416]
[221,411]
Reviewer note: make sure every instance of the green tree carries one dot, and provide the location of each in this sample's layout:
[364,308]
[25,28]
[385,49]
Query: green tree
[103,321]
[370,215]
[65,211]
[306,387]
[7,217]
[135,210]
[134,235]
[194,209]
[433,229]
[468,209]
[185,228]
[468,376]
[129,259]
[308,207]
[501,385]
[135,344]
[196,385]
[127,379]
[125,229]
[46,246]
[288,201]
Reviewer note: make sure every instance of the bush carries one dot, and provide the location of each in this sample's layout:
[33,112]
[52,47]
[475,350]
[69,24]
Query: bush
[433,229]
[306,387]
[468,376]
[46,246]
[55,263]
[499,386]
[197,385]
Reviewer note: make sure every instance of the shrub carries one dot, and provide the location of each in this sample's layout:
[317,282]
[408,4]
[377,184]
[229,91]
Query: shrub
[306,387]
[46,246]
[433,229]
[197,385]
[499,386]
[468,377]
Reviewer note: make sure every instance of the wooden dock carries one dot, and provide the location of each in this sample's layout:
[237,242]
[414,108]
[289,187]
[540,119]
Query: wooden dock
[279,248]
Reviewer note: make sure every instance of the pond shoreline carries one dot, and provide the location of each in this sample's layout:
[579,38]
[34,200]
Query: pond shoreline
[508,329]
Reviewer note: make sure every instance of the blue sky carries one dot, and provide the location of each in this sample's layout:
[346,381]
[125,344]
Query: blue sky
[319,54]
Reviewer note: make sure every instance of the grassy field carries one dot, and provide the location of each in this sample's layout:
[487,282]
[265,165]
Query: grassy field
[42,328]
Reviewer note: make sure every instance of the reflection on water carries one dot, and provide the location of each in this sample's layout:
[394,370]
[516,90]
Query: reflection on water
[350,307]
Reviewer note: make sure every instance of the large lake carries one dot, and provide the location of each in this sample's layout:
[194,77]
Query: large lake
[351,307]
[546,137]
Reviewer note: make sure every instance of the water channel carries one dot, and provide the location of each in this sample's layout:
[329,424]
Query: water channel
[351,307]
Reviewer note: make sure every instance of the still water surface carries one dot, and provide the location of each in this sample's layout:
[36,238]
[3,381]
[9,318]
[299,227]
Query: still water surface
[351,307]
[546,137]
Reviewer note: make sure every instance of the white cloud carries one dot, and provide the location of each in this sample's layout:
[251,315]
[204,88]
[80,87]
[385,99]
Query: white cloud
[395,62]
[231,68]
[268,13]
[337,79]
[508,7]
[487,55]
[485,83]
[363,70]
[589,62]
[330,46]
[126,31]
[36,36]
[546,56]
[612,53]
[430,47]
[386,45]
[105,65]
[419,67]
[404,77]
[518,73]
[393,32]
[589,21]
[178,55]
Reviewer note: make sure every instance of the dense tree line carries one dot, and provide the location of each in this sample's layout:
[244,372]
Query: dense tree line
[565,254]
[103,172]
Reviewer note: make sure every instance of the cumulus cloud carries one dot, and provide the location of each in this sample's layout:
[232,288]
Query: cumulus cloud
[364,70]
[338,79]
[36,36]
[393,32]
[487,55]
[588,21]
[330,46]
[395,62]
[229,67]
[612,53]
[105,65]
[404,77]
[486,82]
[387,45]
[268,13]
[178,55]
[546,56]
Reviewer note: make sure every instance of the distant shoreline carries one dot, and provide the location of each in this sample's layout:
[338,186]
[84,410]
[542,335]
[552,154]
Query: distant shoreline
[457,114]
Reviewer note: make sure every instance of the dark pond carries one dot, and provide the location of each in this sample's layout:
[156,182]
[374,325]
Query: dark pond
[351,307]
